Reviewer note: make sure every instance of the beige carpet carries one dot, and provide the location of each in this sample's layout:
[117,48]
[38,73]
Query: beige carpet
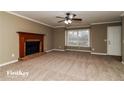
[64,66]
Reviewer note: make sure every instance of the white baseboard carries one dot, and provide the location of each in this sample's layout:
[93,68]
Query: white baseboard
[58,49]
[49,50]
[78,50]
[98,53]
[54,50]
[122,62]
[7,63]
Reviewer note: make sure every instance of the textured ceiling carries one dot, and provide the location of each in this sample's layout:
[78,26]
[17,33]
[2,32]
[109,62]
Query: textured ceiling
[89,17]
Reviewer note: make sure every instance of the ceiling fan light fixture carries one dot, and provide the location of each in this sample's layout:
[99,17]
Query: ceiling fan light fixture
[69,21]
[71,16]
[66,21]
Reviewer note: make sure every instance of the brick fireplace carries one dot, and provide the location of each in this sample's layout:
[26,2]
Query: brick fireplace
[30,43]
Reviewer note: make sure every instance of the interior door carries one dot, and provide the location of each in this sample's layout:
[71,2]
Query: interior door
[114,40]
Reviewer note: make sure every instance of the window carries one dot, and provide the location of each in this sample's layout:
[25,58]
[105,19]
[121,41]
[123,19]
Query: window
[78,37]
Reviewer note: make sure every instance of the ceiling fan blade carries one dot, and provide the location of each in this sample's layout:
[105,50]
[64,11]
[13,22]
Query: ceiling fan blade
[77,19]
[61,21]
[59,17]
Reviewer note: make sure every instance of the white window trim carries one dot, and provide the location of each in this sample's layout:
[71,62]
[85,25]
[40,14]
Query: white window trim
[66,38]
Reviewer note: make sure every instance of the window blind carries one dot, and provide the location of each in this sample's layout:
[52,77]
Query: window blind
[78,37]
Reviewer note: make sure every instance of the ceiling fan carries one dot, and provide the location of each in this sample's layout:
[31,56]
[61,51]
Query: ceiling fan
[68,18]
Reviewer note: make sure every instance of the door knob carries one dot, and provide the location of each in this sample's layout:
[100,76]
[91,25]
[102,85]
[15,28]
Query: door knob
[109,42]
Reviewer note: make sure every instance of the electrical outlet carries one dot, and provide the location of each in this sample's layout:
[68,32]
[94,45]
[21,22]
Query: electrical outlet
[60,47]
[13,55]
[93,49]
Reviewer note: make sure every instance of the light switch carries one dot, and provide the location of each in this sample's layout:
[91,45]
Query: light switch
[105,40]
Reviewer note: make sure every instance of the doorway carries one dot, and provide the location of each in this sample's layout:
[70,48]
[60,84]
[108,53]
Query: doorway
[114,40]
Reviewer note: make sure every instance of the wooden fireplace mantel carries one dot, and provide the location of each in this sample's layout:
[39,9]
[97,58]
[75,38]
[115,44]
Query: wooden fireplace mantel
[25,36]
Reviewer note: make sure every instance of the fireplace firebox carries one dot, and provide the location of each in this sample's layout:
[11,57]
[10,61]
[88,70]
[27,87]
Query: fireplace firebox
[32,47]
